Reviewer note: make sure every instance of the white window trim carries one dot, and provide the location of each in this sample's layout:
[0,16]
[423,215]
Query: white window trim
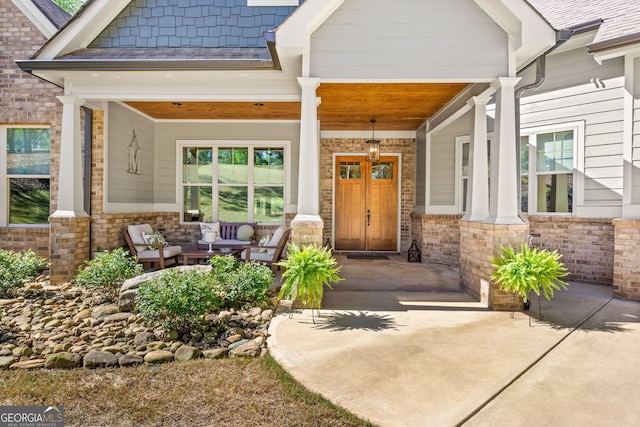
[252,3]
[578,127]
[459,182]
[4,177]
[215,144]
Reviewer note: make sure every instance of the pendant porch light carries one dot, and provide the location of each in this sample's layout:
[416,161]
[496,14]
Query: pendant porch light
[373,145]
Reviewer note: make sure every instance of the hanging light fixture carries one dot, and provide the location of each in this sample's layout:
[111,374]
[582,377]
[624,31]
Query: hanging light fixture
[373,145]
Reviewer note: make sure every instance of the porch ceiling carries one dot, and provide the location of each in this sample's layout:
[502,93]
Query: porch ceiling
[345,106]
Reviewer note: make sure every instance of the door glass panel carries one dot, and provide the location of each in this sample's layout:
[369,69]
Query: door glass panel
[382,170]
[350,170]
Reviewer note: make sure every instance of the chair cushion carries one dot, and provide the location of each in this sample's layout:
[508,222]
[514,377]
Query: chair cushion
[275,239]
[168,252]
[256,256]
[135,233]
[263,242]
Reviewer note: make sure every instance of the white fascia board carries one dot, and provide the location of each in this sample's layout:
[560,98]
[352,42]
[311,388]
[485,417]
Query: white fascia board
[529,33]
[34,15]
[83,29]
[292,36]
[632,51]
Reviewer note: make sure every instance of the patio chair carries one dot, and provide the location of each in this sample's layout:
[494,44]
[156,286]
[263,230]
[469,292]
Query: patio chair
[269,253]
[147,252]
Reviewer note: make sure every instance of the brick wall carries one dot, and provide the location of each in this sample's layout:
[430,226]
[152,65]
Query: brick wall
[25,99]
[438,238]
[406,147]
[479,243]
[586,245]
[626,266]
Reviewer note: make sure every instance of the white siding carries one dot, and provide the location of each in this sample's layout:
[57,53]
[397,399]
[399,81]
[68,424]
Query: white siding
[169,133]
[122,186]
[596,98]
[443,159]
[421,166]
[410,39]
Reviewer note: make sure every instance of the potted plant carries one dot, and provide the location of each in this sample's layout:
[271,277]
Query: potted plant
[307,270]
[531,269]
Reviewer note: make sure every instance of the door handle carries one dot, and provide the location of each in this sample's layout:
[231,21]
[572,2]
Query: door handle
[368,217]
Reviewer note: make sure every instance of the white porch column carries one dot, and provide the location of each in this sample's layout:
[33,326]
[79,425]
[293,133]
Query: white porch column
[478,190]
[504,206]
[309,176]
[70,193]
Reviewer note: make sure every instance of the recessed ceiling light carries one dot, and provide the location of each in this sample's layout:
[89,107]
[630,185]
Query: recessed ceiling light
[168,75]
[258,104]
[244,74]
[94,75]
[177,104]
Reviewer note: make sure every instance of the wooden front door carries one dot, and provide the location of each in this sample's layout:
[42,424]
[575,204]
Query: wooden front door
[366,204]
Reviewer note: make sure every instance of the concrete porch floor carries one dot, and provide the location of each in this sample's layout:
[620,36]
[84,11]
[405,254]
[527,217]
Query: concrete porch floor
[400,345]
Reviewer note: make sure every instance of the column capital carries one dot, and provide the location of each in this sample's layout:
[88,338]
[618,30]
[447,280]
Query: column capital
[309,82]
[505,82]
[70,99]
[478,100]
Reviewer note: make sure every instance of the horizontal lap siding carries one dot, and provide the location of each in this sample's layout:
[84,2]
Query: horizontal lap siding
[443,159]
[409,39]
[601,109]
[635,174]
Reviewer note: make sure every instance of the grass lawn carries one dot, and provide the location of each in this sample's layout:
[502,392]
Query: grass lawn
[227,392]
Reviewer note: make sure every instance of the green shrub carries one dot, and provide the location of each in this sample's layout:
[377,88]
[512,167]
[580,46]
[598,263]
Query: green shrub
[16,267]
[531,269]
[239,283]
[107,271]
[307,270]
[177,299]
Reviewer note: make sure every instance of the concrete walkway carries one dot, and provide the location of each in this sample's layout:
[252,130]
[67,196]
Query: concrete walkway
[415,351]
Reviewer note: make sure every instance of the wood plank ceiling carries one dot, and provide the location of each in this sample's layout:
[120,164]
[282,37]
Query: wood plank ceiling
[345,106]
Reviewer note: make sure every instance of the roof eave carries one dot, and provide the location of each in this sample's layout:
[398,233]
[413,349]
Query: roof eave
[35,65]
[615,43]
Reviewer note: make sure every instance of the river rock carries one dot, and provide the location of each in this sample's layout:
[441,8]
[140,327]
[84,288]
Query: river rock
[104,311]
[187,352]
[143,338]
[28,364]
[158,356]
[63,360]
[250,349]
[6,361]
[216,353]
[130,359]
[99,359]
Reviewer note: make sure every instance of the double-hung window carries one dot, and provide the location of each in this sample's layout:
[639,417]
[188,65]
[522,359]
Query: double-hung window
[233,182]
[547,162]
[25,159]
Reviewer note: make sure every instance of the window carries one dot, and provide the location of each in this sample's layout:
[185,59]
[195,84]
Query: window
[25,159]
[463,159]
[547,164]
[233,183]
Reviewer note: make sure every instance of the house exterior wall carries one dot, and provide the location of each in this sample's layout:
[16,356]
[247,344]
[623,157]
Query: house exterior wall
[27,100]
[421,168]
[586,245]
[123,186]
[577,89]
[405,147]
[438,237]
[448,40]
[626,267]
[635,145]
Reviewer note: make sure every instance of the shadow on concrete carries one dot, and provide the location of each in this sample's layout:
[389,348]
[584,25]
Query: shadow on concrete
[355,321]
[400,301]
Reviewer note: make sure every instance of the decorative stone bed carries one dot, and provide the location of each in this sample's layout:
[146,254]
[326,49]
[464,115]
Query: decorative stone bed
[68,327]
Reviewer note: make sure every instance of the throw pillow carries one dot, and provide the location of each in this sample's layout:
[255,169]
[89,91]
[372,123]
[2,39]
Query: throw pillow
[263,241]
[207,227]
[154,240]
[245,232]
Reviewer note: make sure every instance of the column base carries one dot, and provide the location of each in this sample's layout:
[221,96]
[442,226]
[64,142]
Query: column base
[69,246]
[307,230]
[626,261]
[479,244]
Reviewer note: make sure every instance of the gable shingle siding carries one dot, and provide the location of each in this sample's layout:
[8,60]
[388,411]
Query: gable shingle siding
[190,23]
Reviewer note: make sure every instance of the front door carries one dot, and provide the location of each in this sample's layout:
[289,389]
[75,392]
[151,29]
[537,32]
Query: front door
[366,204]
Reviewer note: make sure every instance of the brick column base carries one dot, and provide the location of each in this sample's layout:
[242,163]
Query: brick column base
[626,259]
[69,243]
[479,243]
[307,230]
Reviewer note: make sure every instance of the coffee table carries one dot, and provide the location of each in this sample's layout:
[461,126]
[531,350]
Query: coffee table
[198,254]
